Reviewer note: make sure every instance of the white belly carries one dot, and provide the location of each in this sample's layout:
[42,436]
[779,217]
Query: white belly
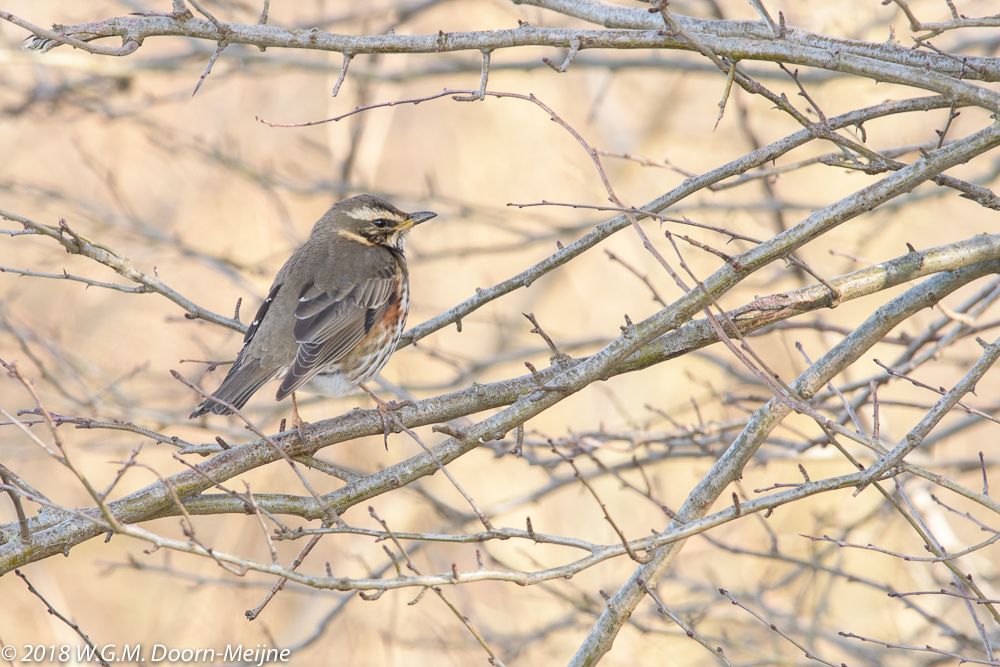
[333,385]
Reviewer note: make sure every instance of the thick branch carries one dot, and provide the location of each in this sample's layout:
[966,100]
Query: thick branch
[741,165]
[730,466]
[735,40]
[527,400]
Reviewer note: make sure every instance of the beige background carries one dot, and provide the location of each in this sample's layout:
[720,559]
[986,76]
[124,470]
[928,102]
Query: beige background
[213,201]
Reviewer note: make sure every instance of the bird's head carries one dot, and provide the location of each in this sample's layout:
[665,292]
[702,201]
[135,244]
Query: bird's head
[371,220]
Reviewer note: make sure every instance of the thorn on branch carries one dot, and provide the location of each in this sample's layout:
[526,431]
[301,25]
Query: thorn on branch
[730,77]
[343,73]
[952,115]
[208,68]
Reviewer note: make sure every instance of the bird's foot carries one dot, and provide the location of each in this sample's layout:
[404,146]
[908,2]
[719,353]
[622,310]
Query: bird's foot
[387,411]
[297,420]
[387,416]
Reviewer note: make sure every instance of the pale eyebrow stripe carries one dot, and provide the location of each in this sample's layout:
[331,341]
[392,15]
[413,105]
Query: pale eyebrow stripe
[369,213]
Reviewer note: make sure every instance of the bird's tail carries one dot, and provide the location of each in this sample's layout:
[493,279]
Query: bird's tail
[240,384]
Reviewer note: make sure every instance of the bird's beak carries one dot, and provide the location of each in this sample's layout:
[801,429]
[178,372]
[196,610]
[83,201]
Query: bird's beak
[416,218]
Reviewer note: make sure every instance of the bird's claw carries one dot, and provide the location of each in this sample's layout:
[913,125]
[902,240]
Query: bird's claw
[297,420]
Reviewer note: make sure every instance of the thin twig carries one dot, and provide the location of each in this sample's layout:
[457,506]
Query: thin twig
[55,612]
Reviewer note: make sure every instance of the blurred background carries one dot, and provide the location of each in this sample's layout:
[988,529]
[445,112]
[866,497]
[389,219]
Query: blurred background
[200,193]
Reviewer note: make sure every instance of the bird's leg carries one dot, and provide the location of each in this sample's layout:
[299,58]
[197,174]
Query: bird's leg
[297,420]
[384,410]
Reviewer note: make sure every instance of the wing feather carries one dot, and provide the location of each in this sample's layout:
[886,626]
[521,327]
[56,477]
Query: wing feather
[330,314]
[331,322]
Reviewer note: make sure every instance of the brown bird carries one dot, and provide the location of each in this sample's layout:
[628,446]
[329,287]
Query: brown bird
[335,311]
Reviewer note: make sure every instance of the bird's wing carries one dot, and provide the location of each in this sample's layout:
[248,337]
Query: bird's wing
[261,312]
[331,320]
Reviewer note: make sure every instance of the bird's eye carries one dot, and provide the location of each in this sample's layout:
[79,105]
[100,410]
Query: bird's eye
[381,222]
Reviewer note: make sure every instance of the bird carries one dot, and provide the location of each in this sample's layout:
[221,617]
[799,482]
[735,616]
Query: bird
[335,312]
